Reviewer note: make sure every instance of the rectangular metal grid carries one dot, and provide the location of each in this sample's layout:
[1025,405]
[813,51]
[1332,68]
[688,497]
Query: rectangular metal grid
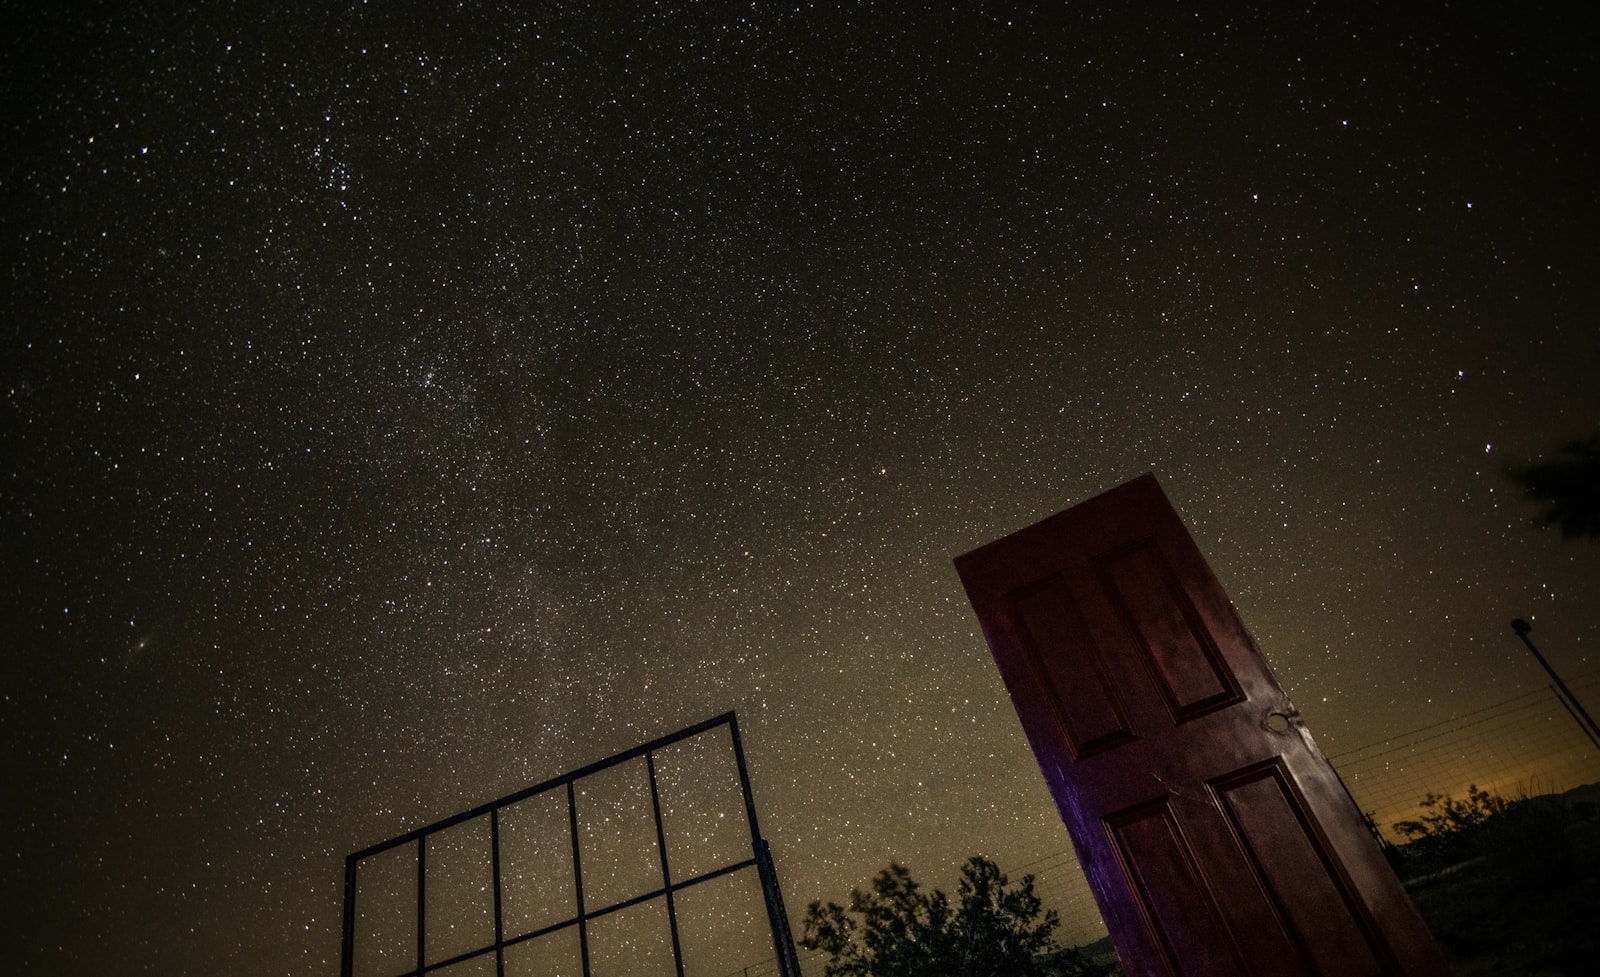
[760,859]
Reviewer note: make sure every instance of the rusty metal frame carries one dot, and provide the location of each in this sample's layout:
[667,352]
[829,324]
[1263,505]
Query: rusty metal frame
[760,859]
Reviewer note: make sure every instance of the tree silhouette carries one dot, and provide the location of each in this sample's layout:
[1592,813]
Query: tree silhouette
[902,931]
[1569,487]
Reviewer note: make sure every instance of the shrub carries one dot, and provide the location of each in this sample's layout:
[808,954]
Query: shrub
[1446,833]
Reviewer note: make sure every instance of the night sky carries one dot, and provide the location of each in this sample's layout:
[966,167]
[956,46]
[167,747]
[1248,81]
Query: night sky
[406,403]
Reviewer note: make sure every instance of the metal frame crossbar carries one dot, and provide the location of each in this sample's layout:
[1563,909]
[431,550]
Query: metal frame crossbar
[760,859]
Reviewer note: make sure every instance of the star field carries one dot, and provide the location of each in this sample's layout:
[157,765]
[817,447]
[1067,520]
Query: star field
[408,403]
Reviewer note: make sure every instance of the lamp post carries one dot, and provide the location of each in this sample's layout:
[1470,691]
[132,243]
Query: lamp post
[1522,628]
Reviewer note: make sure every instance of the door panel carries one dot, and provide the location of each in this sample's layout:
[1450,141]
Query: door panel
[1216,837]
[1295,869]
[1167,632]
[1177,908]
[1073,667]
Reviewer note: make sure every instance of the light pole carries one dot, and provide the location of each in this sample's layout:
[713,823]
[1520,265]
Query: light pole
[1522,628]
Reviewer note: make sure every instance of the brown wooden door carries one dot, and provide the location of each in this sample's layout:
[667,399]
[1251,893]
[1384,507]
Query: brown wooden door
[1215,835]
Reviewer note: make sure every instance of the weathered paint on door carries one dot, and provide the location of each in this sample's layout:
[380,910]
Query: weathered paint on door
[1216,837]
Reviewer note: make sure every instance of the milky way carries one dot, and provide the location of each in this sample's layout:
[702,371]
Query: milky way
[406,404]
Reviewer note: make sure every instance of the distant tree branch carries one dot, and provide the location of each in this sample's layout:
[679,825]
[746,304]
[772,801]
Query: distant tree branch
[1568,485]
[898,930]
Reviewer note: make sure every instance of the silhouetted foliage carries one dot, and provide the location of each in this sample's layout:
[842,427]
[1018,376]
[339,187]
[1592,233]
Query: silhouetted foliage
[1569,487]
[898,930]
[1445,832]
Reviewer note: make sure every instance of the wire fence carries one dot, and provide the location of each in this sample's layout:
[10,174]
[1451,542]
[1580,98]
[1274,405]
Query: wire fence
[1523,746]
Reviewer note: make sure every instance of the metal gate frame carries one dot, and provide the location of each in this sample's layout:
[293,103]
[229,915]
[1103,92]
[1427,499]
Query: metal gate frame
[760,858]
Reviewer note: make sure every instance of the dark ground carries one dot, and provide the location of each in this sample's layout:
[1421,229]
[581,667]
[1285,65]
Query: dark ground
[1529,906]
